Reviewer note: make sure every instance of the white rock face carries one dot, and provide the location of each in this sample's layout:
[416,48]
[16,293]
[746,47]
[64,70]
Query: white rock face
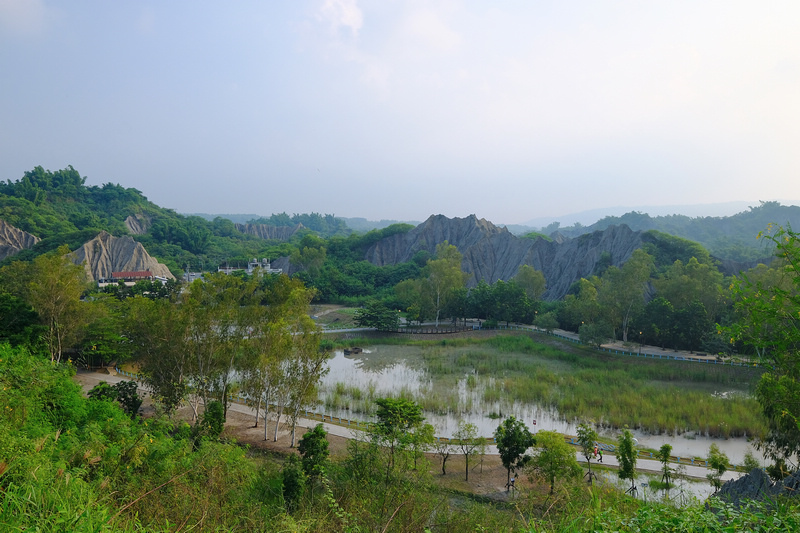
[106,254]
[137,224]
[13,240]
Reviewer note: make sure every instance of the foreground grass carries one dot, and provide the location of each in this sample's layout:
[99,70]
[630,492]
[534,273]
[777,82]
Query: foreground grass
[68,463]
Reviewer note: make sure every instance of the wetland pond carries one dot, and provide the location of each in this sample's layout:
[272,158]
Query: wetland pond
[462,383]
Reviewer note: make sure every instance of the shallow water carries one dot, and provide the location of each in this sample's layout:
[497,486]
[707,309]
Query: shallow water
[389,370]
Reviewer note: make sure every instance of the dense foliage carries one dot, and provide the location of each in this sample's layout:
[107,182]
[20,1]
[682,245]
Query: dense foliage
[72,463]
[60,209]
[732,237]
[768,303]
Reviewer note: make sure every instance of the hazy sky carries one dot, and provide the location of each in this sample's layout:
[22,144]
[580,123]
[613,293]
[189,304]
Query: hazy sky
[510,110]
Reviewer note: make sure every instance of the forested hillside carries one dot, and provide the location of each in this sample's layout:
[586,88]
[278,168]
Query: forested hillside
[343,266]
[59,208]
[74,463]
[728,238]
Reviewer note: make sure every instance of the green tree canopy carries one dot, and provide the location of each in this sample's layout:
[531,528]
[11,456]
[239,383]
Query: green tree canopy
[587,438]
[467,437]
[443,274]
[718,462]
[52,285]
[376,314]
[553,458]
[397,418]
[622,291]
[513,439]
[663,455]
[626,456]
[767,304]
[313,449]
[532,282]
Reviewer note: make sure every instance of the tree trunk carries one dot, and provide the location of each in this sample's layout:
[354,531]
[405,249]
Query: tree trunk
[258,408]
[266,415]
[277,422]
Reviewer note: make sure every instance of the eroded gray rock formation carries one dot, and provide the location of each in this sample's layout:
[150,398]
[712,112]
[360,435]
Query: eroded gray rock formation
[265,231]
[491,253]
[13,240]
[137,224]
[757,486]
[106,254]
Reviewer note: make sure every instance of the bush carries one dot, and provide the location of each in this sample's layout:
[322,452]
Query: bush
[128,397]
[213,420]
[294,482]
[103,391]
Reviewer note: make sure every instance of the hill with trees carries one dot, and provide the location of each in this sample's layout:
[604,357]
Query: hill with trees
[68,462]
[728,238]
[59,209]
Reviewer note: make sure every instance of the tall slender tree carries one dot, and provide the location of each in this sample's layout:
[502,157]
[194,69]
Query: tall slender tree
[443,276]
[622,291]
[587,438]
[218,322]
[158,333]
[663,455]
[626,456]
[718,462]
[467,437]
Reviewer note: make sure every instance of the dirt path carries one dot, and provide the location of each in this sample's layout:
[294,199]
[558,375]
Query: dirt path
[486,478]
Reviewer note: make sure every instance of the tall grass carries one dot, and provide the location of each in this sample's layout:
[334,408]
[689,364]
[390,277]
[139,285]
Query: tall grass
[654,395]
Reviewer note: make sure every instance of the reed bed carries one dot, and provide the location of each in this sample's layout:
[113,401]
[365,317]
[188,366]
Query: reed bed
[654,395]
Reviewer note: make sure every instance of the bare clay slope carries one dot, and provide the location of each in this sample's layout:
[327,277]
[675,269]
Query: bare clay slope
[106,254]
[13,240]
[281,233]
[491,253]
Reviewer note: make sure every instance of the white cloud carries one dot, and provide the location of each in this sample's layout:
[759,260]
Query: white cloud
[343,14]
[427,29]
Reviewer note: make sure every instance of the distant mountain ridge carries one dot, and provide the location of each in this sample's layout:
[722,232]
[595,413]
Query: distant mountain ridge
[58,208]
[732,238]
[492,253]
[590,216]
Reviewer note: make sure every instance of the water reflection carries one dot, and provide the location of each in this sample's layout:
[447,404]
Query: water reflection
[389,370]
[382,366]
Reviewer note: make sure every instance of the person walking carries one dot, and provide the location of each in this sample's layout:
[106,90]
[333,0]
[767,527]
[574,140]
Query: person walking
[600,460]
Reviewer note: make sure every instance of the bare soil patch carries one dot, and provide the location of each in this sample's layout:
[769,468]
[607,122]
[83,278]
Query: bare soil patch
[486,478]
